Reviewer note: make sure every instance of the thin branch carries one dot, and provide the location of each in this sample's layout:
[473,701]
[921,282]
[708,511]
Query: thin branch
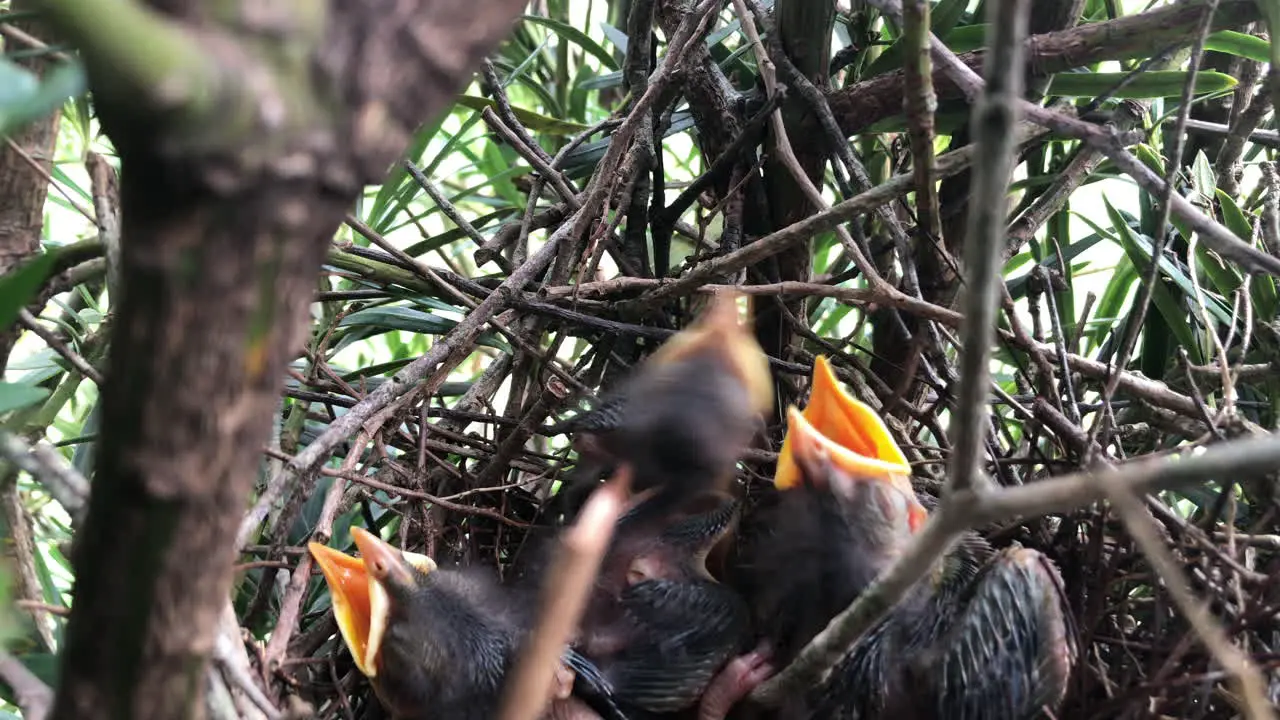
[78,363]
[1169,569]
[963,510]
[949,164]
[564,598]
[49,468]
[1131,329]
[994,117]
[34,698]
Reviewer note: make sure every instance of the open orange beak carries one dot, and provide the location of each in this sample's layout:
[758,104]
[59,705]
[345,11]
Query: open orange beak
[854,437]
[361,603]
[719,330]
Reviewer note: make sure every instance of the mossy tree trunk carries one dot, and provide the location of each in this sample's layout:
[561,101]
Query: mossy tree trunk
[245,131]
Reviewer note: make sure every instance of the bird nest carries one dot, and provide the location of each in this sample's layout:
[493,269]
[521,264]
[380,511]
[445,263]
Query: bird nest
[481,497]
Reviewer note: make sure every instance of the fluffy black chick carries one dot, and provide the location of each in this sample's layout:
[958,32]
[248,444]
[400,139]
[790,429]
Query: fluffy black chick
[685,416]
[434,643]
[658,627]
[985,635]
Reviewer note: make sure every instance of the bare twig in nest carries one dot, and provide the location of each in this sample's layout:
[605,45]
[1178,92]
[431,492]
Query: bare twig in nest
[564,597]
[1210,631]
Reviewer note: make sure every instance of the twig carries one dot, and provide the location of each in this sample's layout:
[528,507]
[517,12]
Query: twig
[80,365]
[920,103]
[33,696]
[303,465]
[1131,329]
[787,155]
[949,164]
[564,597]
[994,117]
[1211,633]
[451,212]
[50,469]
[972,509]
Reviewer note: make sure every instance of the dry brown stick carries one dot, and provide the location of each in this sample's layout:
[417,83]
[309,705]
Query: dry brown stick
[1153,391]
[1129,333]
[1213,233]
[16,33]
[920,102]
[1085,160]
[564,597]
[973,508]
[949,164]
[995,115]
[79,364]
[862,104]
[453,346]
[459,339]
[1142,528]
[552,364]
[49,468]
[291,605]
[782,144]
[44,174]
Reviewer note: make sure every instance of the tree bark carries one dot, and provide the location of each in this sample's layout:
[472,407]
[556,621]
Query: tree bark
[242,144]
[24,191]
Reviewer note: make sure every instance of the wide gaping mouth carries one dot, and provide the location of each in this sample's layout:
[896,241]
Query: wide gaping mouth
[358,587]
[850,435]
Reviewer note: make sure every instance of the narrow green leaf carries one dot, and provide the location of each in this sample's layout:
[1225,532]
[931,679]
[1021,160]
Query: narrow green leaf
[577,37]
[827,327]
[945,15]
[18,287]
[381,212]
[1240,45]
[1233,217]
[1151,84]
[15,396]
[1173,313]
[532,120]
[23,104]
[615,36]
[1203,180]
[399,318]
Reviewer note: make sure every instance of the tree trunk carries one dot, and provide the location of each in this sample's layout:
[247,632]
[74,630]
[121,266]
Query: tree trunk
[242,147]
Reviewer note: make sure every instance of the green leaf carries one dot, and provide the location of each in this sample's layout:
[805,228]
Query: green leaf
[1151,84]
[399,187]
[392,317]
[576,36]
[532,120]
[1139,254]
[1239,44]
[1203,180]
[17,84]
[399,318]
[15,396]
[18,287]
[958,40]
[21,101]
